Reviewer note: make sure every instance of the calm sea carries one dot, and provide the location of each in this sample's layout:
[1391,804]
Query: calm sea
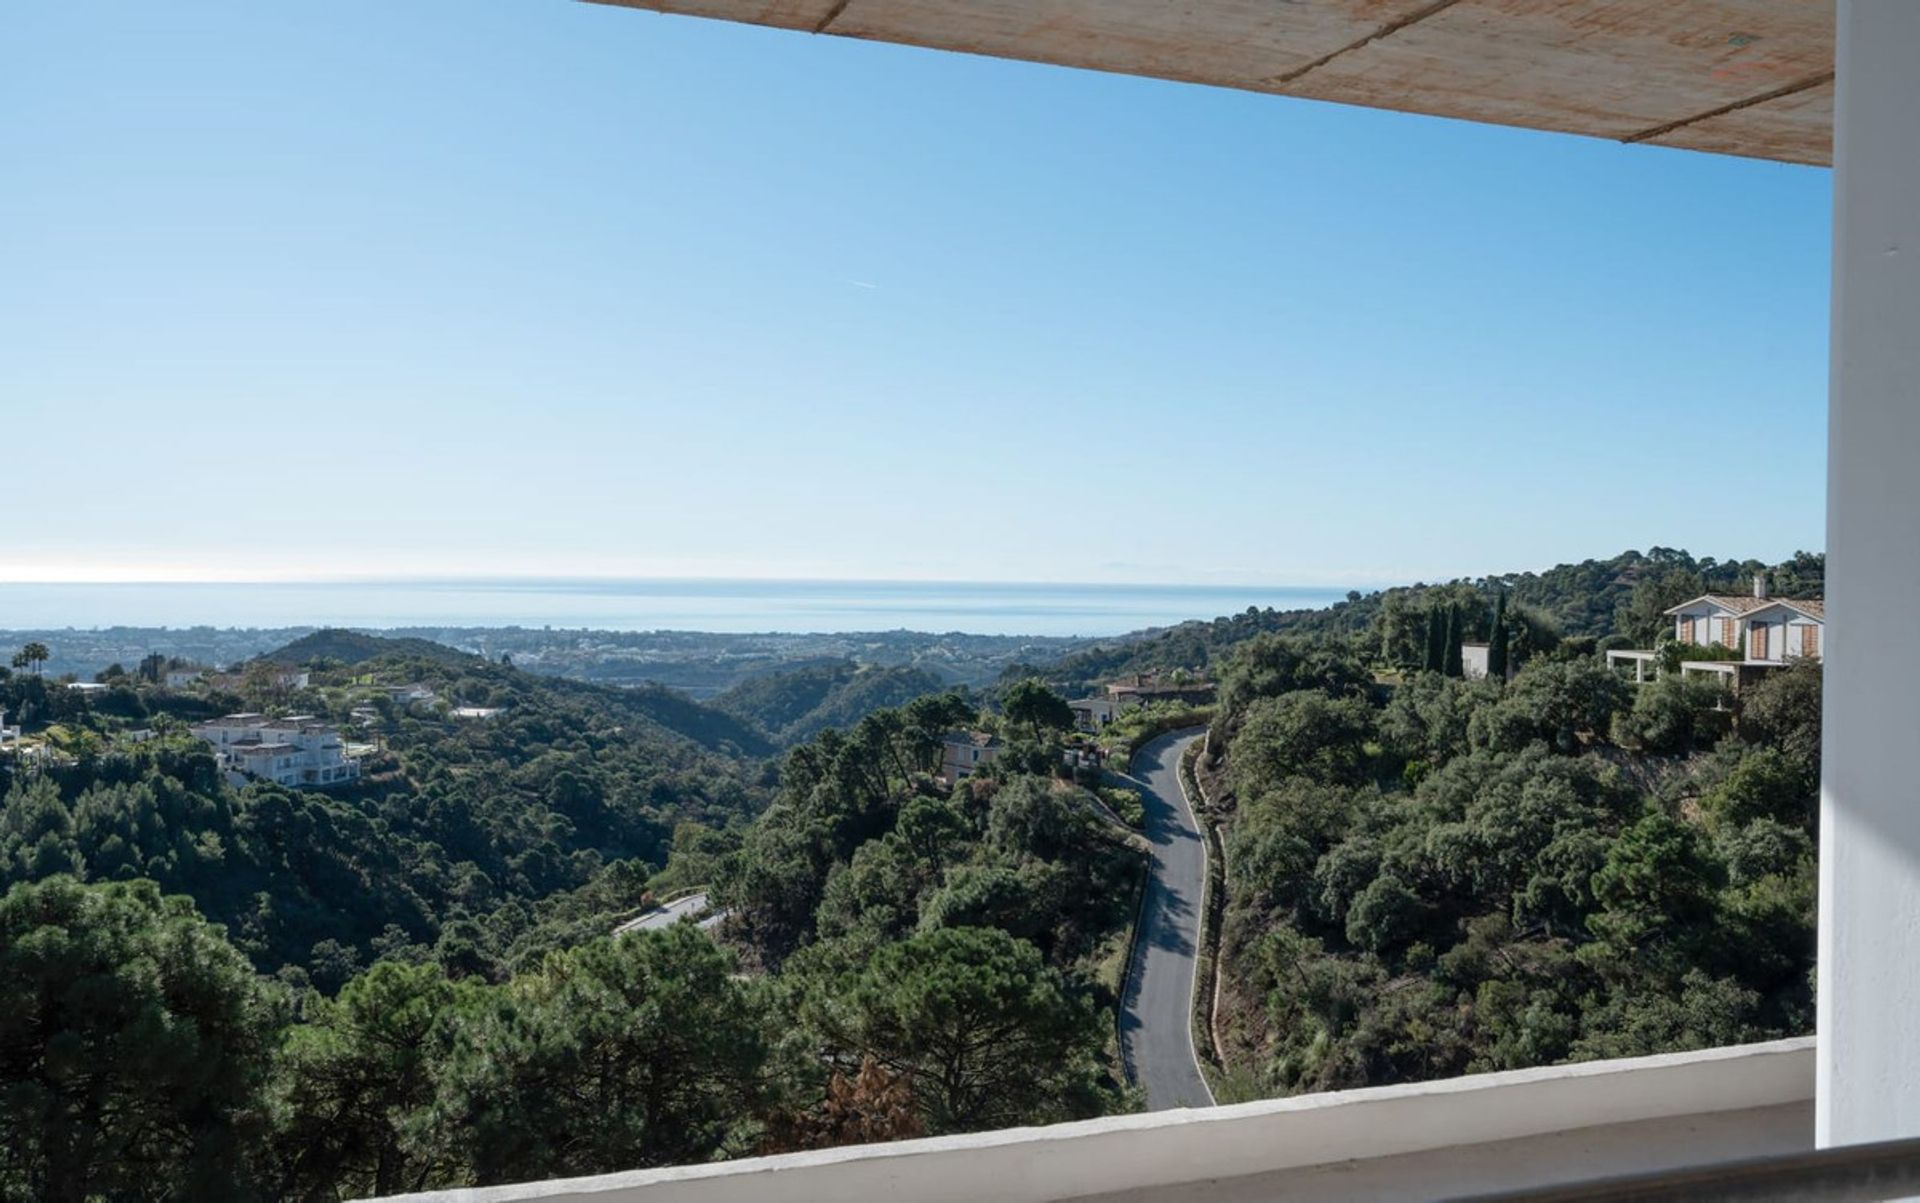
[645,605]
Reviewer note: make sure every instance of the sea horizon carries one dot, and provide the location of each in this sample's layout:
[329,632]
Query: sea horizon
[716,605]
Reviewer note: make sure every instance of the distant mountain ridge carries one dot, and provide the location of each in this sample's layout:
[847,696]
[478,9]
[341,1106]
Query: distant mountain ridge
[347,647]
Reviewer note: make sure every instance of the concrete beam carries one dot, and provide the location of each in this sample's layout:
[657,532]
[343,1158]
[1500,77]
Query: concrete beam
[1744,77]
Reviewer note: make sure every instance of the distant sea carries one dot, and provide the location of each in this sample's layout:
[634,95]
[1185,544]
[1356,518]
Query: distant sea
[727,606]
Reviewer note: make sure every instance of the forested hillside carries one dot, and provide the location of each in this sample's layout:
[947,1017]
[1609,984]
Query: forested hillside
[410,980]
[794,705]
[461,838]
[918,958]
[334,646]
[1454,876]
[1620,597]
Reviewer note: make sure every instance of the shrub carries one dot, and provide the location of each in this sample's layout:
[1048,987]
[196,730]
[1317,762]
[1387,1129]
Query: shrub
[1665,716]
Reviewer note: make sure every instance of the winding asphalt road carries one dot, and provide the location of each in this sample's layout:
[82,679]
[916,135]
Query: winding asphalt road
[1156,1010]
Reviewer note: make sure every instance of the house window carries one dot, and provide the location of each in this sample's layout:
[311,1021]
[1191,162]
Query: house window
[1809,641]
[1729,633]
[1757,642]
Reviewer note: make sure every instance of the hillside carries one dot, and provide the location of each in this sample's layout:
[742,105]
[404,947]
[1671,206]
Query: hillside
[1593,599]
[461,839]
[1452,876]
[473,680]
[340,646]
[795,705]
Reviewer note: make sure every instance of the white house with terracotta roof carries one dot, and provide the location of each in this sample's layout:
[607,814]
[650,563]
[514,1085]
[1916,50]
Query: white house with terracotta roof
[1767,631]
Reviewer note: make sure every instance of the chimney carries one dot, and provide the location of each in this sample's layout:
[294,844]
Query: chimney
[1760,585]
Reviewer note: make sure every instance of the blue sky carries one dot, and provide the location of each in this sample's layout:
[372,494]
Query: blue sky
[541,287]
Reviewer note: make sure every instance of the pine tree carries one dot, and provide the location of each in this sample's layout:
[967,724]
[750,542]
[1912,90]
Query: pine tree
[1497,640]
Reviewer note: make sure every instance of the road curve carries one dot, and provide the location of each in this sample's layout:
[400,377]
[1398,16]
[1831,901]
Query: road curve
[1156,1008]
[692,908]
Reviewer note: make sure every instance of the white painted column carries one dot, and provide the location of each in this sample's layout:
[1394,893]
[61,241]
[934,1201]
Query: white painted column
[1869,975]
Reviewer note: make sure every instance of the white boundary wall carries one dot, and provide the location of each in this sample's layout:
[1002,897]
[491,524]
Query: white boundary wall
[1129,1152]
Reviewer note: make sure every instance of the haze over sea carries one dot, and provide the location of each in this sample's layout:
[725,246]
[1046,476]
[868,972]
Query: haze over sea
[641,605]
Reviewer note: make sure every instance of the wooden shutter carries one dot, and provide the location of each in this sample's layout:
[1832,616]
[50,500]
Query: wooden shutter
[1757,641]
[1810,640]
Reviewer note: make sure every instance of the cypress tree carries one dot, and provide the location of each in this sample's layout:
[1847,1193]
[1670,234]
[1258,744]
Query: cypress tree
[1436,641]
[1497,639]
[1451,665]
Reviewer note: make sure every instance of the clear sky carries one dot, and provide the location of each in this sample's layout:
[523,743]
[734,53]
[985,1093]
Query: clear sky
[452,287]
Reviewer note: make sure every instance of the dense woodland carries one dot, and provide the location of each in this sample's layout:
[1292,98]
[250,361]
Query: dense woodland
[1451,876]
[219,991]
[468,838]
[411,981]
[797,703]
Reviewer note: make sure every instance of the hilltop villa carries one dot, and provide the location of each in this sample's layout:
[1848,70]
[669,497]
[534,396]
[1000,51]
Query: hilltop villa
[964,752]
[295,751]
[1768,631]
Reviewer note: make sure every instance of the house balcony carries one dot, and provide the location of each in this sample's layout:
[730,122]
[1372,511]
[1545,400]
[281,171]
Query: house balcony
[1523,1130]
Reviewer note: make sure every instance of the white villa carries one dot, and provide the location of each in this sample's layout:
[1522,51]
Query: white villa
[7,734]
[295,751]
[1768,631]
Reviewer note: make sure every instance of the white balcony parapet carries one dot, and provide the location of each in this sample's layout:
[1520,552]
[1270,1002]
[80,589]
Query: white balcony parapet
[1427,1139]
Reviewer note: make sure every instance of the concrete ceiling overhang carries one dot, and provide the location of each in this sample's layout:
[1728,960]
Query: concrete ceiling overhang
[1741,77]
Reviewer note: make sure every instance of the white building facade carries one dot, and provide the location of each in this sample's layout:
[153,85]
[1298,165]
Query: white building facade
[1763,629]
[299,751]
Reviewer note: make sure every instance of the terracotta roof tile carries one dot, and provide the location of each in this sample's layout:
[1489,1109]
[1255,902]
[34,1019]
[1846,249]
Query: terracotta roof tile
[1746,603]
